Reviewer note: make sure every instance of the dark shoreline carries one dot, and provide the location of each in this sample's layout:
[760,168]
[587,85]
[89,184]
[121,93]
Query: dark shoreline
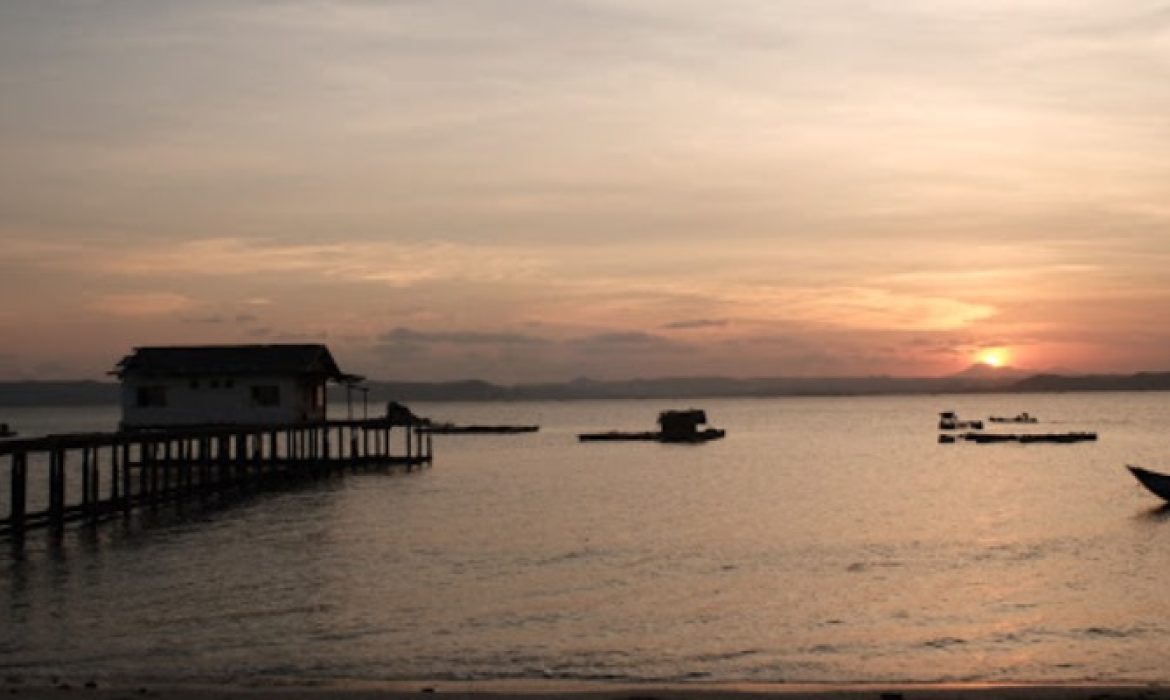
[560,690]
[87,393]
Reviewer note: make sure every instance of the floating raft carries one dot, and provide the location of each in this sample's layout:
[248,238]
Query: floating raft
[617,435]
[677,426]
[1026,438]
[451,429]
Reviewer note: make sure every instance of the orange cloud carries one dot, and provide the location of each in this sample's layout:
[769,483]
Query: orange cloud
[393,263]
[142,304]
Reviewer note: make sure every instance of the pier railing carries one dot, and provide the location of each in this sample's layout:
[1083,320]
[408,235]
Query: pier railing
[89,477]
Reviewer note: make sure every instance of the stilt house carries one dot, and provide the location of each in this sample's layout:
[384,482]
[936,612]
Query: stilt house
[226,385]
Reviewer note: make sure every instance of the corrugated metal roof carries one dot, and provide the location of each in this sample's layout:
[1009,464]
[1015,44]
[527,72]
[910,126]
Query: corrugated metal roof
[232,360]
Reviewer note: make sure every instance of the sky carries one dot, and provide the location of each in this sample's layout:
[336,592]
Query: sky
[538,190]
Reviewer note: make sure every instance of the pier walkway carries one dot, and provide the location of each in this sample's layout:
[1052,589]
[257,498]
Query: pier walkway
[89,477]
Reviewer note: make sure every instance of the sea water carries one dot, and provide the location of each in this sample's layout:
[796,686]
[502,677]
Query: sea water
[825,539]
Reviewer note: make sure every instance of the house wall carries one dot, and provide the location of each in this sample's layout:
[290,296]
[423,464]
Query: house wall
[212,401]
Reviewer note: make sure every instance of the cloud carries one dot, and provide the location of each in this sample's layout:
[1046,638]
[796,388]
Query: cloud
[859,308]
[204,320]
[626,341]
[10,367]
[839,166]
[396,264]
[299,336]
[407,335]
[51,368]
[142,304]
[880,308]
[695,324]
[624,338]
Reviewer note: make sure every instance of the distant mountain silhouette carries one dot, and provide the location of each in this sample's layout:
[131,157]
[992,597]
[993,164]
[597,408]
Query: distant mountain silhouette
[1142,381]
[977,378]
[982,369]
[986,374]
[58,393]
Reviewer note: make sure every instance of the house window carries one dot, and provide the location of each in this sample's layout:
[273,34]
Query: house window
[266,395]
[152,396]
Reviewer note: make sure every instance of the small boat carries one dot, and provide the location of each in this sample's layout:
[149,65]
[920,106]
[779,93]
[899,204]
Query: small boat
[949,420]
[1021,418]
[1157,483]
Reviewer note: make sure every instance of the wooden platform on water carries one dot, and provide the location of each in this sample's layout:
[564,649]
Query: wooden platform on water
[452,429]
[1022,438]
[88,477]
[653,436]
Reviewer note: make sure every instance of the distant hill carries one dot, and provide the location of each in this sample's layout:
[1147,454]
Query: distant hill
[648,388]
[1142,381]
[986,373]
[972,380]
[58,393]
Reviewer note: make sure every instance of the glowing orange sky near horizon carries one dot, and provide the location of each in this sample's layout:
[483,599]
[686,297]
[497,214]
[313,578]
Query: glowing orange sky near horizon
[994,357]
[606,188]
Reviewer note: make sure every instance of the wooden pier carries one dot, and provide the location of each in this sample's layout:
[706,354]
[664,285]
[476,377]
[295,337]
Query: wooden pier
[89,477]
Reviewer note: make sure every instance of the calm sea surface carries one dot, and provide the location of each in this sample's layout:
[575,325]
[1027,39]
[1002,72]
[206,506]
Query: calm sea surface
[826,539]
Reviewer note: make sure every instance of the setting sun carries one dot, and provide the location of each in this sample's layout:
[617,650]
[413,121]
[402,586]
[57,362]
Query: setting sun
[993,357]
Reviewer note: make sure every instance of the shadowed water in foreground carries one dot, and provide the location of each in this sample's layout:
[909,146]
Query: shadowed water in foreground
[824,540]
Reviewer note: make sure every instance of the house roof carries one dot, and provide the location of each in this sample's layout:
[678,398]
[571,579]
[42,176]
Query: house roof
[201,360]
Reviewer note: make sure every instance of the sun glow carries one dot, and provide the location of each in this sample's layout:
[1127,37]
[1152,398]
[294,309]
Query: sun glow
[993,357]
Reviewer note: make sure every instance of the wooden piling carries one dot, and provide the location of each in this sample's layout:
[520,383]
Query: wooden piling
[16,518]
[90,483]
[86,478]
[127,499]
[150,468]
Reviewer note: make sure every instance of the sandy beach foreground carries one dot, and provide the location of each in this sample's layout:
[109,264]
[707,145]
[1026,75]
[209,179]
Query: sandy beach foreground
[562,691]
